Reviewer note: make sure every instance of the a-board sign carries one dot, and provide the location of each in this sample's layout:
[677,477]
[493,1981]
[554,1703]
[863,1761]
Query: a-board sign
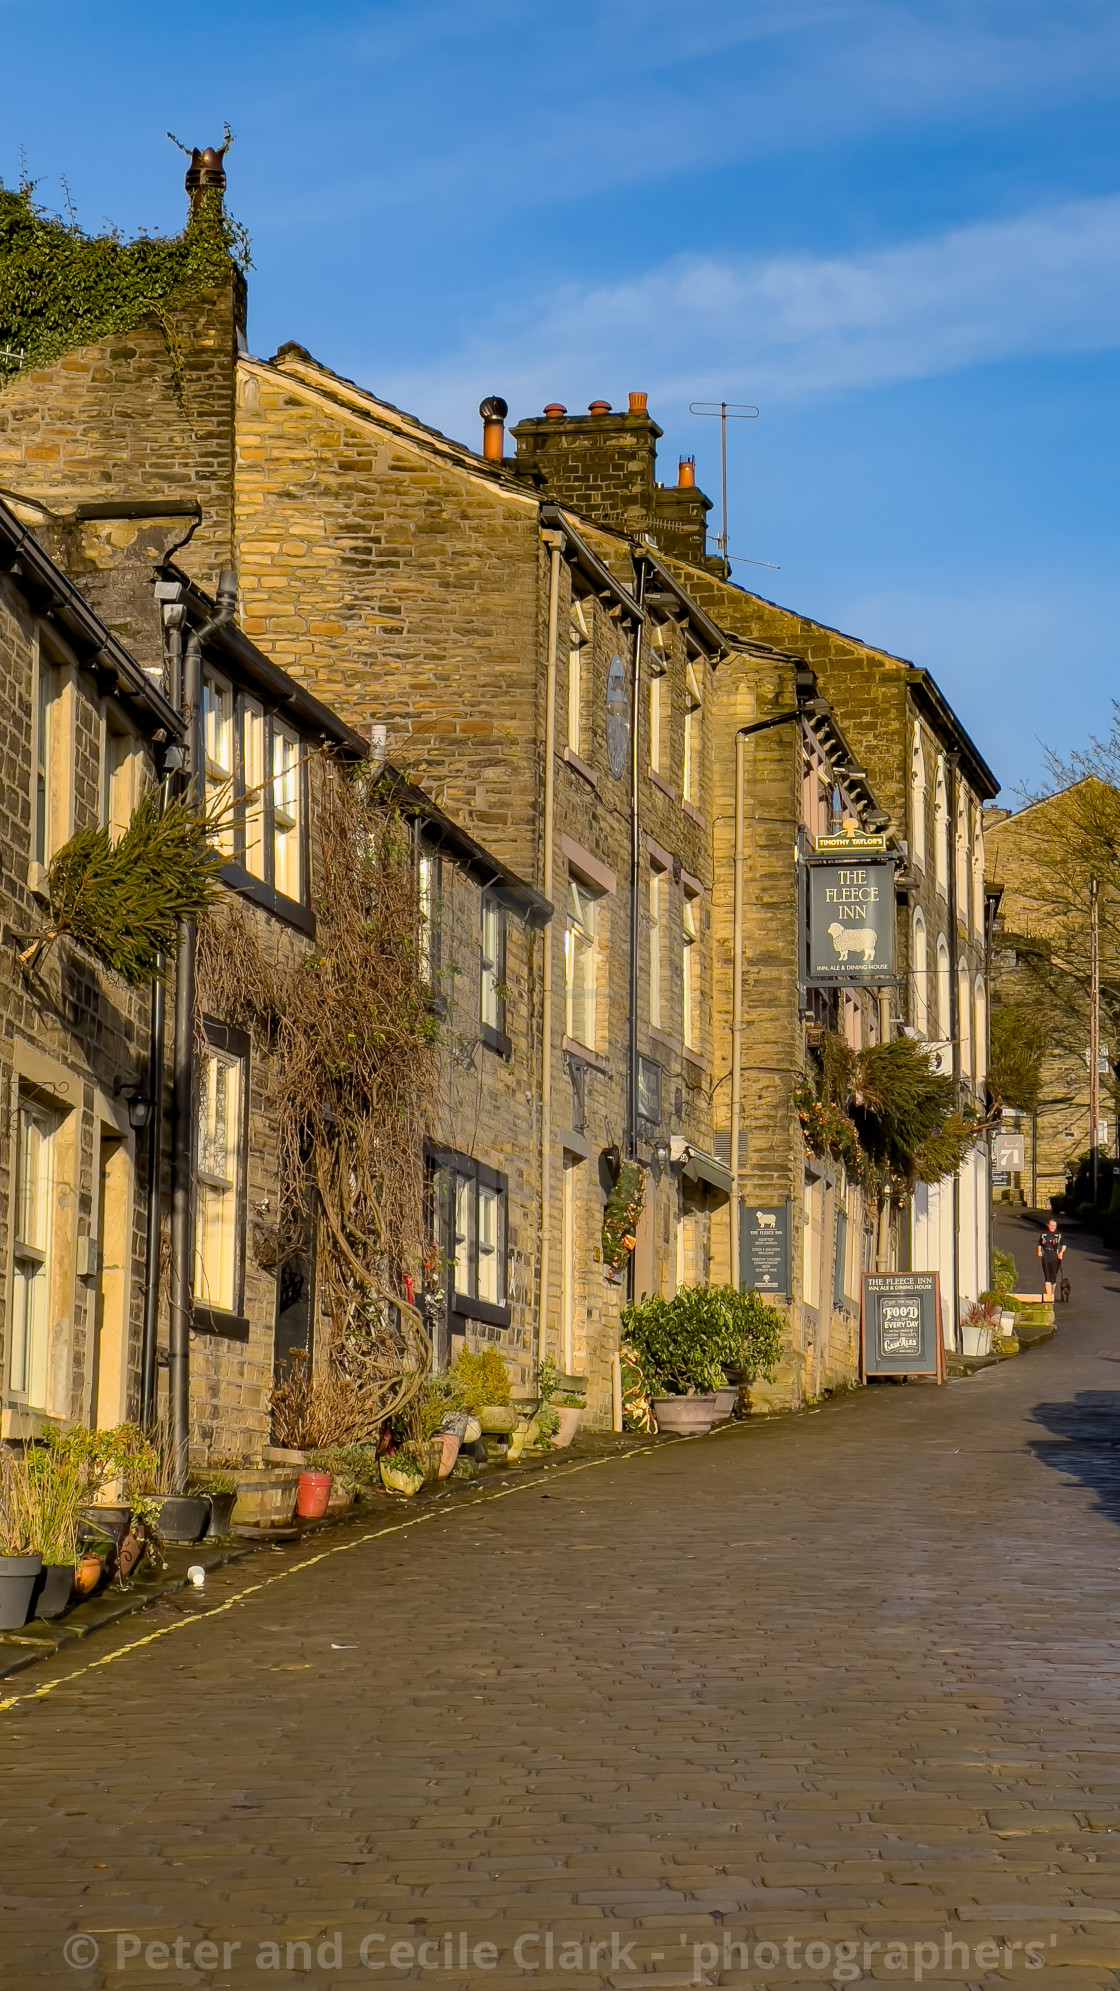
[851,922]
[900,1325]
[764,1253]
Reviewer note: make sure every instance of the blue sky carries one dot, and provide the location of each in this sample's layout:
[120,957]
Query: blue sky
[892,224]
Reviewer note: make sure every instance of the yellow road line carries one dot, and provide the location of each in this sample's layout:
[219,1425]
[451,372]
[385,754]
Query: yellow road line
[309,1562]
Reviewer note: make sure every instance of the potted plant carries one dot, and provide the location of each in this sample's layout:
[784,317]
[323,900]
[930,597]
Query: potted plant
[216,1485]
[406,1469]
[559,1413]
[58,1470]
[979,1323]
[685,1345]
[483,1384]
[314,1493]
[20,1563]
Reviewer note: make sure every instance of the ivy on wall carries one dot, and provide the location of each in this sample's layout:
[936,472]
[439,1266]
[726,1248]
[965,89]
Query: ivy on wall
[61,288]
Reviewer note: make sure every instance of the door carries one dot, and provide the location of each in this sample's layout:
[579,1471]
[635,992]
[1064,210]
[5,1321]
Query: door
[109,1388]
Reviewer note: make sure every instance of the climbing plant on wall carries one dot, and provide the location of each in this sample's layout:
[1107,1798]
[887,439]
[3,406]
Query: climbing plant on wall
[61,288]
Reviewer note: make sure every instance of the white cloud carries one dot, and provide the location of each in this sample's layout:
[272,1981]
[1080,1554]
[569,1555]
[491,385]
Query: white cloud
[789,326]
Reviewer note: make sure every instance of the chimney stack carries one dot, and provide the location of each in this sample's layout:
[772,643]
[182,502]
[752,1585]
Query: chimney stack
[686,474]
[493,411]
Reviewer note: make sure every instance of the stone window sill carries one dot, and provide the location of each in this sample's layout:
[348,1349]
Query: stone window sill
[580,767]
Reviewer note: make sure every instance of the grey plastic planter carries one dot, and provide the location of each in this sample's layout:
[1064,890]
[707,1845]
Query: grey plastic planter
[18,1576]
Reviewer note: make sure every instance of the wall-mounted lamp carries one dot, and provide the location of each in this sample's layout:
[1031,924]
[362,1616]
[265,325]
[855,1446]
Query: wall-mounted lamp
[133,1092]
[661,1152]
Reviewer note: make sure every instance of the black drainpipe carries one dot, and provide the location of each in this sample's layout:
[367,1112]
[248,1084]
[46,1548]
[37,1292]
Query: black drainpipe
[183,1136]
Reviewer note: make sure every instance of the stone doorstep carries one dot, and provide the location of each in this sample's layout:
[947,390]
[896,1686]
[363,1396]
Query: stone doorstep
[42,1638]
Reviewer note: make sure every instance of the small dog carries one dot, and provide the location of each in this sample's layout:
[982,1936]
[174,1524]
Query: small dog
[1064,1289]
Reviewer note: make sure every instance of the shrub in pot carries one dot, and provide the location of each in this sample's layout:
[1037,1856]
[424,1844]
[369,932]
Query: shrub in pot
[685,1345]
[483,1386]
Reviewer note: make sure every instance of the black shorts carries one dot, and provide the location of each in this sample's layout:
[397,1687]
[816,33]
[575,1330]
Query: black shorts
[1050,1267]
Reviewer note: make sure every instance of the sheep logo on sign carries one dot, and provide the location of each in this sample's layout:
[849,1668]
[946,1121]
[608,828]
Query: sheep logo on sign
[852,940]
[766,1220]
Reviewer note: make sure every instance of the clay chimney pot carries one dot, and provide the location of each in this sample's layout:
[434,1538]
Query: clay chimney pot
[555,409]
[638,404]
[686,474]
[598,407]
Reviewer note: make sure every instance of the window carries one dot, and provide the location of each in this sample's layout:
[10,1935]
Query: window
[468,1203]
[120,769]
[576,640]
[811,1241]
[920,977]
[964,1020]
[693,721]
[941,831]
[978,873]
[579,962]
[944,1018]
[690,979]
[658,700]
[492,998]
[27,1372]
[963,866]
[49,747]
[918,799]
[254,787]
[649,1091]
[428,895]
[656,891]
[220,1169]
[980,1028]
[217,748]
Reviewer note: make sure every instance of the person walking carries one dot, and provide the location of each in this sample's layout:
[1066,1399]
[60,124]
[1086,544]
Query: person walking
[1051,1250]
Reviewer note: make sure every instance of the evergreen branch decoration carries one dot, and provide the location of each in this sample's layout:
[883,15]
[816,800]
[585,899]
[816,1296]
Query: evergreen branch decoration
[122,901]
[61,288]
[886,1114]
[620,1218]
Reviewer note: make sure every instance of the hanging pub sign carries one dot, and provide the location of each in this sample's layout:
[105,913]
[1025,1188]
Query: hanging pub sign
[900,1325]
[851,922]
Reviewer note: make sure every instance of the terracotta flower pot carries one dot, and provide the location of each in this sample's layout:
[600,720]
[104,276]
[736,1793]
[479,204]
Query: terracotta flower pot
[314,1493]
[87,1575]
[684,1416]
[569,1415]
[444,1450]
[18,1574]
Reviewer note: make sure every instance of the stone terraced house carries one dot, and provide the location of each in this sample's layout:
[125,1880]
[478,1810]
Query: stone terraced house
[540,643]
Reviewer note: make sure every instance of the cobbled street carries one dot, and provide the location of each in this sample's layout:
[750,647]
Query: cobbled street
[816,1699]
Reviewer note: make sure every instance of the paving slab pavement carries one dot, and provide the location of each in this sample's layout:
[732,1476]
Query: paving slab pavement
[817,1700]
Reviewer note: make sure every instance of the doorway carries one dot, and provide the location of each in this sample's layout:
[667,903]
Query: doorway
[109,1379]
